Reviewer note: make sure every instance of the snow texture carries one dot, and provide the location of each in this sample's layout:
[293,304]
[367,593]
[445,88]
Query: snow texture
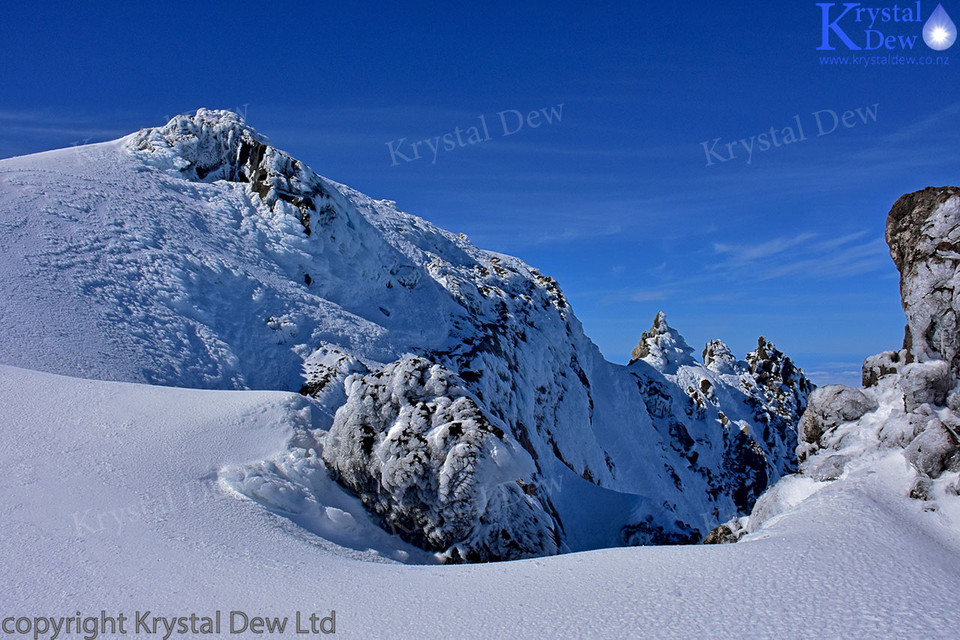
[124,497]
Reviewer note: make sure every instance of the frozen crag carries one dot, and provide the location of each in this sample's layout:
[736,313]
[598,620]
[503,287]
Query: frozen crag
[454,391]
[902,425]
[923,231]
[418,449]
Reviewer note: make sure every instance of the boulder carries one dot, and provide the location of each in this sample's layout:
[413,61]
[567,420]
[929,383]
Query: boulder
[435,467]
[830,406]
[934,450]
[925,383]
[830,469]
[900,429]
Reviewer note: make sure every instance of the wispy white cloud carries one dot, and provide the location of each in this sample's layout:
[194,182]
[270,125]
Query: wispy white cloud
[748,254]
[807,254]
[650,295]
[574,234]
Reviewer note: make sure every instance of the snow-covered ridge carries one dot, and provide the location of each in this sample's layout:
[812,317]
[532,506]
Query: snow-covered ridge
[198,255]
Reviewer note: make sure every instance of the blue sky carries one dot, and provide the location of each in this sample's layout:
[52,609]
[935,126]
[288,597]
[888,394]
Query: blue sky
[617,197]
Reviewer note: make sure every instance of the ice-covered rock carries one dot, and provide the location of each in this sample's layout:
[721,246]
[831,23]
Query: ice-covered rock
[881,365]
[909,407]
[718,357]
[900,428]
[925,383]
[923,231]
[420,453]
[218,145]
[662,347]
[830,469]
[934,450]
[726,533]
[828,407]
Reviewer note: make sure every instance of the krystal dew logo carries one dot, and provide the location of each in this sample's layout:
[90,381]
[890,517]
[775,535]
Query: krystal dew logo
[861,28]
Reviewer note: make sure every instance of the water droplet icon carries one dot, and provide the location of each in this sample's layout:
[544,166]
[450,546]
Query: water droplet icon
[939,32]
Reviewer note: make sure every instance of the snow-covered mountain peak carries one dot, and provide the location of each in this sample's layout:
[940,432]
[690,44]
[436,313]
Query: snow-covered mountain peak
[663,347]
[718,358]
[204,142]
[196,254]
[216,145]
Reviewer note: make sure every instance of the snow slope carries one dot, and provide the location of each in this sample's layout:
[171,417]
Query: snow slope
[119,497]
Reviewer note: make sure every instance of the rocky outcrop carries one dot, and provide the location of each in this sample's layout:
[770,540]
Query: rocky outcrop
[886,363]
[737,428]
[785,386]
[726,533]
[909,405]
[662,347]
[218,145]
[925,383]
[935,450]
[718,357]
[923,232]
[422,455]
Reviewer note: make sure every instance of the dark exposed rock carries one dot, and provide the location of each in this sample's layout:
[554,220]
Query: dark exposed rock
[726,533]
[921,488]
[646,534]
[745,467]
[784,384]
[883,364]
